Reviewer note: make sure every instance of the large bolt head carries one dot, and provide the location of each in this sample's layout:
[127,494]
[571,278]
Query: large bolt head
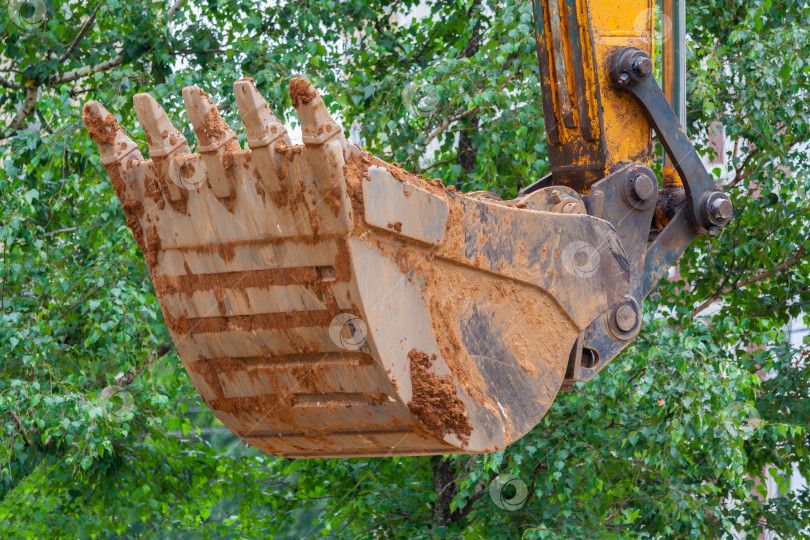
[721,209]
[642,187]
[717,209]
[642,65]
[626,318]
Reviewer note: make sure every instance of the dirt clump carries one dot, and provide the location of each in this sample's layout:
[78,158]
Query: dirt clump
[301,91]
[101,131]
[152,189]
[214,126]
[134,210]
[435,401]
[355,168]
[289,150]
[153,247]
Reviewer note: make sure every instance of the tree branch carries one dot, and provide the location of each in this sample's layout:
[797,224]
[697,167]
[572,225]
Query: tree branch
[740,172]
[460,116]
[386,15]
[801,254]
[23,432]
[533,484]
[444,483]
[455,118]
[461,513]
[88,70]
[781,305]
[11,85]
[31,95]
[172,10]
[130,376]
[60,231]
[445,161]
[102,66]
[85,27]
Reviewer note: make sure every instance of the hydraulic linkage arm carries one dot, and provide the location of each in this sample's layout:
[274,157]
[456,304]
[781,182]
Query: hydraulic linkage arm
[600,103]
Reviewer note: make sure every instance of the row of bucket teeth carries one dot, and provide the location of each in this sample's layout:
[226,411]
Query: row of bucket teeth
[216,141]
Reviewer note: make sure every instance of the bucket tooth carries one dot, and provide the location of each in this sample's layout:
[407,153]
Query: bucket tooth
[113,144]
[165,142]
[216,141]
[118,152]
[163,138]
[317,125]
[323,140]
[263,131]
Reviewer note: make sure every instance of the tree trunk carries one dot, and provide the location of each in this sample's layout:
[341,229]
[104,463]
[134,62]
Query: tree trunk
[444,483]
[467,152]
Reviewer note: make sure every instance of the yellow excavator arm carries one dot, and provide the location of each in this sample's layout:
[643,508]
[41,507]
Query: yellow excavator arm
[592,124]
[328,304]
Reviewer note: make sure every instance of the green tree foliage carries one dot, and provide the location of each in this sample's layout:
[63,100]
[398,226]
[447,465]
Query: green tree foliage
[669,441]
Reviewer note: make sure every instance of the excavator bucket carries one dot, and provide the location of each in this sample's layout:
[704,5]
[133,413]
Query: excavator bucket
[326,303]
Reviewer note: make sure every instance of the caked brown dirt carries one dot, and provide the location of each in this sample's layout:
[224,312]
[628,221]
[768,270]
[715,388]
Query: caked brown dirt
[214,129]
[156,185]
[134,212]
[101,131]
[435,401]
[214,126]
[355,168]
[153,191]
[301,91]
